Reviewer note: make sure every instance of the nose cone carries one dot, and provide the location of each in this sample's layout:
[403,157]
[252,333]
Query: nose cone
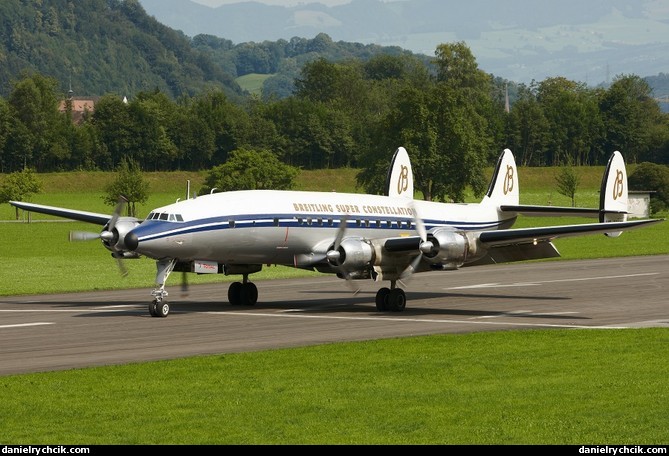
[131,241]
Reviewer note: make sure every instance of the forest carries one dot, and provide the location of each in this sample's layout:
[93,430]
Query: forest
[339,111]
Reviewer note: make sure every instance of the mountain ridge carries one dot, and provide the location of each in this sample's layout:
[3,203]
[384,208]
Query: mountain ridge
[519,40]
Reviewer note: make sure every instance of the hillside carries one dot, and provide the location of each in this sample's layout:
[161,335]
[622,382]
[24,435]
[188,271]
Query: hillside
[518,40]
[102,46]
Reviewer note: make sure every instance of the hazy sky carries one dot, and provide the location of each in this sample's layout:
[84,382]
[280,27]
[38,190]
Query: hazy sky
[272,2]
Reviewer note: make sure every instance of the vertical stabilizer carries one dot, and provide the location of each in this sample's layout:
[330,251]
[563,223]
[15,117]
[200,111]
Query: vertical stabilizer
[399,181]
[503,189]
[613,205]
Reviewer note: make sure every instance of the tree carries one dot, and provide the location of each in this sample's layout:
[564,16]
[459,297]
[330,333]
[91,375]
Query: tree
[114,125]
[655,178]
[35,104]
[250,170]
[630,113]
[19,186]
[527,129]
[461,103]
[130,184]
[568,181]
[574,124]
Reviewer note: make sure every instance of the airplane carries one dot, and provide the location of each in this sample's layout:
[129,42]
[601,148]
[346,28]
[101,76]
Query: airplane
[355,236]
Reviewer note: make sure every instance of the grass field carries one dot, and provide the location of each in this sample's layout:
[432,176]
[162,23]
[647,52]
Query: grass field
[510,387]
[516,387]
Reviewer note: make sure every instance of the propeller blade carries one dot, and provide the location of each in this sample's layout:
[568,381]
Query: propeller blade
[333,256]
[340,232]
[420,226]
[184,283]
[424,247]
[121,267]
[408,272]
[117,212]
[76,236]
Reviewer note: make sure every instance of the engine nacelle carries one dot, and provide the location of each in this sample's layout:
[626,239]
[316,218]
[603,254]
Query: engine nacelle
[352,255]
[114,240]
[450,248]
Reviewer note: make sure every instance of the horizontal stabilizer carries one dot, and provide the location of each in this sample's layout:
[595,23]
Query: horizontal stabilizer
[551,211]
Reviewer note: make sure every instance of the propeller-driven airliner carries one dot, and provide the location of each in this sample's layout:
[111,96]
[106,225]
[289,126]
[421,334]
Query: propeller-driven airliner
[355,236]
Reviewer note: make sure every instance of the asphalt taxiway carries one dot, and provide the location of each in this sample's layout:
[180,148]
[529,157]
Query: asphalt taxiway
[73,330]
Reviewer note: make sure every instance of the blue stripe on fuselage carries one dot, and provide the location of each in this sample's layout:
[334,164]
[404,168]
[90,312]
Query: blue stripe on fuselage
[156,229]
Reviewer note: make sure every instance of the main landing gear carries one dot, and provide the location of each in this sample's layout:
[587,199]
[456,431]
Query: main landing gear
[393,299]
[243,293]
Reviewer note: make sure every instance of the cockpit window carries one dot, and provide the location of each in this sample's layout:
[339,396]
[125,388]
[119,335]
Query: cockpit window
[165,216]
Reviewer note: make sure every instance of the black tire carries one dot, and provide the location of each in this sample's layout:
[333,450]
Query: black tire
[397,300]
[382,299]
[249,294]
[162,309]
[234,293]
[152,308]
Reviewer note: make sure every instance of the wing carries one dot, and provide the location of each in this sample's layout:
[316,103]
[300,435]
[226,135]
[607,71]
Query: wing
[497,238]
[522,244]
[82,216]
[449,249]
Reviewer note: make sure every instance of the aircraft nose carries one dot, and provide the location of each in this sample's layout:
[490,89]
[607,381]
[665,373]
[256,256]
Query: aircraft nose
[131,241]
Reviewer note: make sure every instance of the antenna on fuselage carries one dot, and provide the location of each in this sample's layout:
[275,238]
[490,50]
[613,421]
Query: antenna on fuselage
[188,189]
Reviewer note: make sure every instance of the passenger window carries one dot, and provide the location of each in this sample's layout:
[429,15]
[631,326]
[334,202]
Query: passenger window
[179,218]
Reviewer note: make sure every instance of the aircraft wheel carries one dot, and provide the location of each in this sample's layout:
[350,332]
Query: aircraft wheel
[397,300]
[249,294]
[152,308]
[382,299]
[162,309]
[234,293]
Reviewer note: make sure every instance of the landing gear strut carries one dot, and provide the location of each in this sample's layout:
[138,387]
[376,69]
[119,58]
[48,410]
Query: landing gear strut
[392,298]
[243,293]
[158,307]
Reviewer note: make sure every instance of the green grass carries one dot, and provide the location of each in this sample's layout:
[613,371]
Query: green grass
[515,387]
[253,82]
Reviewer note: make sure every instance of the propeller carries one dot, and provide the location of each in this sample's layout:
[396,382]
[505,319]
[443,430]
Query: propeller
[424,247]
[334,256]
[106,235]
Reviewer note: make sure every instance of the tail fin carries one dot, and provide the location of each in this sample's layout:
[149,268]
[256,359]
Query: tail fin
[613,205]
[399,181]
[503,189]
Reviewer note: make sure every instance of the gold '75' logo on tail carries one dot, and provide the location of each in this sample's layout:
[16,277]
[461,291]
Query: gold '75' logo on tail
[403,180]
[618,185]
[508,180]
